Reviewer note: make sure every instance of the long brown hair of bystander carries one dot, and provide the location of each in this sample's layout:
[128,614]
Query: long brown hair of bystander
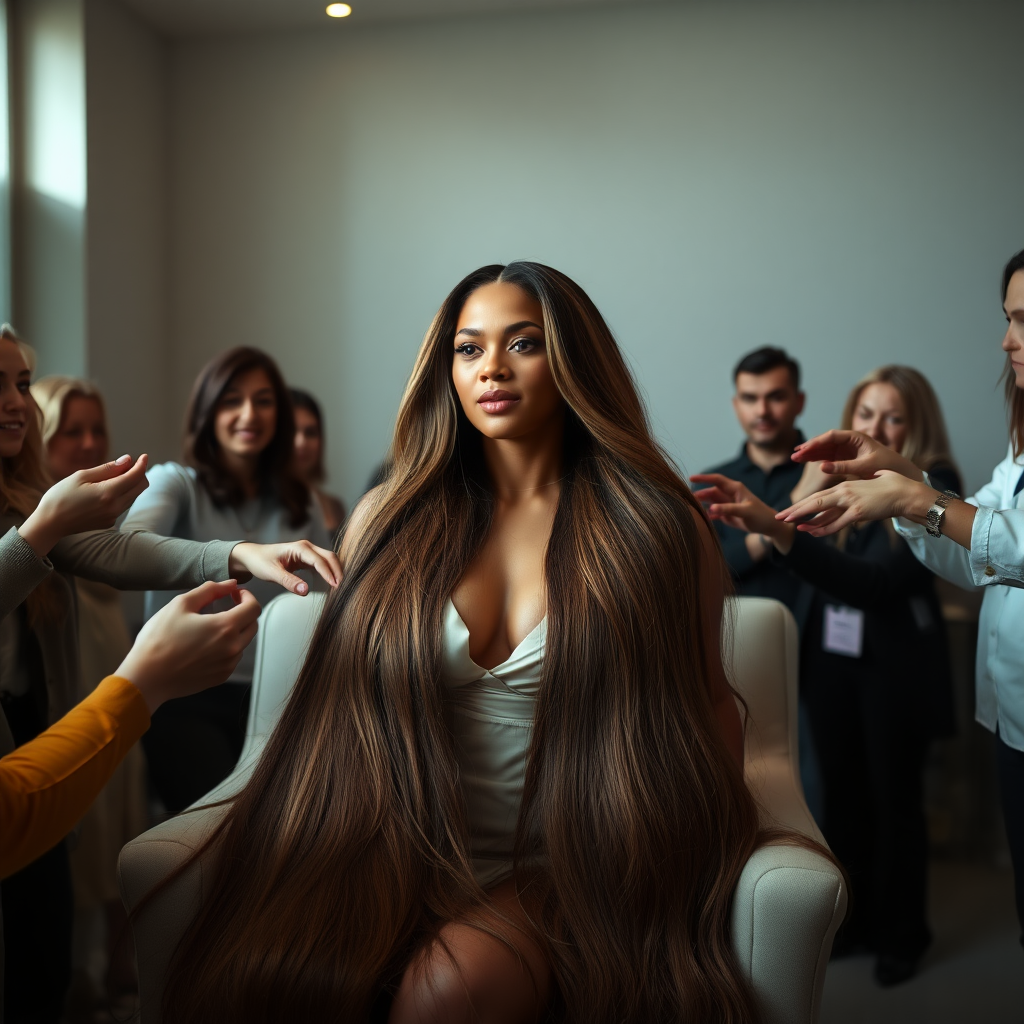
[348,848]
[927,441]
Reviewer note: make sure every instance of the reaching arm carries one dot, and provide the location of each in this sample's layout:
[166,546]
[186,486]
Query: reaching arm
[859,582]
[47,784]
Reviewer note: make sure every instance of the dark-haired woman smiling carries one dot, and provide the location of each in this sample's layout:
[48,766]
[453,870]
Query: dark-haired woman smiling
[238,484]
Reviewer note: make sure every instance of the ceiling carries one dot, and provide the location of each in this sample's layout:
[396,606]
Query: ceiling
[198,17]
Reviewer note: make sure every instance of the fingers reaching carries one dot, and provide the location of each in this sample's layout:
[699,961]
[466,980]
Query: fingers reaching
[205,594]
[325,562]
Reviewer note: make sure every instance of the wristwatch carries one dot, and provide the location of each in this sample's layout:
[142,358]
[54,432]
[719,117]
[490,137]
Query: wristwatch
[937,513]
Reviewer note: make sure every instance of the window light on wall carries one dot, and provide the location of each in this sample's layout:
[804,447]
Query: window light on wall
[338,10]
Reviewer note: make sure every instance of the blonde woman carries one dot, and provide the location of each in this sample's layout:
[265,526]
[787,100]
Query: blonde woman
[875,673]
[75,436]
[975,542]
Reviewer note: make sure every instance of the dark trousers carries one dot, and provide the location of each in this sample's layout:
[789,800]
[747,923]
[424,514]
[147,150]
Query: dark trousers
[1010,769]
[38,910]
[194,743]
[872,756]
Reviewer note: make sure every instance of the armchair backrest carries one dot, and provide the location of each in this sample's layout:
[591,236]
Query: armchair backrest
[761,652]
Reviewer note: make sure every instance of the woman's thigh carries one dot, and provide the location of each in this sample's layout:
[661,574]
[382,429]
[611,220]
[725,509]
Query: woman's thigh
[479,978]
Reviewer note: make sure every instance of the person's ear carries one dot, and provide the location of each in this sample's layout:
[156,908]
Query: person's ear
[801,400]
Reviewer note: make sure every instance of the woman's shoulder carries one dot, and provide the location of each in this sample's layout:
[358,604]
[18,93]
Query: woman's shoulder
[172,475]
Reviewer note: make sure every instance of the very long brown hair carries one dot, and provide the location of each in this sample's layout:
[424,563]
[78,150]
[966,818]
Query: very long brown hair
[349,846]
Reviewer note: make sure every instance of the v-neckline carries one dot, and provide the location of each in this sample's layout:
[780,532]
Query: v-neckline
[518,648]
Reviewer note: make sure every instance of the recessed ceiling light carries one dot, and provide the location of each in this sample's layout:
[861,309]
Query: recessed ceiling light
[339,10]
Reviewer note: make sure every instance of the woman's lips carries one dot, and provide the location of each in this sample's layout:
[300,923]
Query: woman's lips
[497,401]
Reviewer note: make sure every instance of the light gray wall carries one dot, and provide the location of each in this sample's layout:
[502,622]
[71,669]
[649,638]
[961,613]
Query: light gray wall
[49,294]
[128,352]
[842,179]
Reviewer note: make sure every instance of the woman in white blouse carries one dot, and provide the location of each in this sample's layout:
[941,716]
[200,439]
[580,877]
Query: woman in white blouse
[973,542]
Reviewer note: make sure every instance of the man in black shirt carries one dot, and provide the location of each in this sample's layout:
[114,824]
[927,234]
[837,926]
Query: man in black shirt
[767,402]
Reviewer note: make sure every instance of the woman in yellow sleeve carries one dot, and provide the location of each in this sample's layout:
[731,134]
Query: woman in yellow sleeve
[47,784]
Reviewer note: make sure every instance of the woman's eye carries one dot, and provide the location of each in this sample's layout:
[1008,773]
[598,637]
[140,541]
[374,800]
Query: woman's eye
[522,345]
[23,386]
[466,349]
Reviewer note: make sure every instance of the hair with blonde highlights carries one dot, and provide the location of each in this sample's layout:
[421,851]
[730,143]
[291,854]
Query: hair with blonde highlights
[927,441]
[349,847]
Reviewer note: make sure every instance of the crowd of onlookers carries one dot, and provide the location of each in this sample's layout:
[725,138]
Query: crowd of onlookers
[874,669]
[252,470]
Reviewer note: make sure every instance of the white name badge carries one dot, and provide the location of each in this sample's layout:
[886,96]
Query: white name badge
[844,630]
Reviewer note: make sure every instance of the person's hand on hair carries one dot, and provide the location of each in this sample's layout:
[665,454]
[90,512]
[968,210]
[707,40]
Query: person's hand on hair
[278,562]
[732,503]
[849,453]
[180,651]
[887,495]
[90,499]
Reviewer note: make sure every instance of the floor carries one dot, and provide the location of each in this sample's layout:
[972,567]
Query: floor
[973,973]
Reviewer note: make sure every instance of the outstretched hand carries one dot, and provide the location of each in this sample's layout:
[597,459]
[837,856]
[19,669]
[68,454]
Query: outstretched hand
[180,651]
[886,496]
[730,502]
[278,562]
[849,453]
[90,499]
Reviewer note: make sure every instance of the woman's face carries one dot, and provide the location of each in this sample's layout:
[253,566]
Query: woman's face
[1013,341]
[246,415]
[881,414]
[307,442]
[500,366]
[16,403]
[81,438]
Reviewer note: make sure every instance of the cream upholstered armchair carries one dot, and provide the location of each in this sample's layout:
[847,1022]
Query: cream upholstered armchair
[789,901]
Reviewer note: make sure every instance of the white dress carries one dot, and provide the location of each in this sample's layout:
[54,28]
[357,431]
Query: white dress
[492,716]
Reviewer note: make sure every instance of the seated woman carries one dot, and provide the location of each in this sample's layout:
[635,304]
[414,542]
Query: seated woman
[875,672]
[508,783]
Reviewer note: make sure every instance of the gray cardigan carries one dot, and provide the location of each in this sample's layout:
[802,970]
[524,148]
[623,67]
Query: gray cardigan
[129,561]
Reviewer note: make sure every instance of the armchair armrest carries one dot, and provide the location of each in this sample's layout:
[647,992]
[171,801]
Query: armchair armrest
[145,863]
[787,907]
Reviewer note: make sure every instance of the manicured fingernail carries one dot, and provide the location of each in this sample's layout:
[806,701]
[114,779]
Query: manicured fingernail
[121,461]
[301,588]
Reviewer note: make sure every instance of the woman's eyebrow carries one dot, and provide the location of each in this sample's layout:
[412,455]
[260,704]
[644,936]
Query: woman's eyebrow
[473,332]
[520,325]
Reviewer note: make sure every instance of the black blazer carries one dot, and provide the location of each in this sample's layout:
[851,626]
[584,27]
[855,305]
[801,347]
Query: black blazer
[905,646]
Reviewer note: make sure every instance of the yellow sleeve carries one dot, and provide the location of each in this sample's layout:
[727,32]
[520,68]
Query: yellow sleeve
[47,784]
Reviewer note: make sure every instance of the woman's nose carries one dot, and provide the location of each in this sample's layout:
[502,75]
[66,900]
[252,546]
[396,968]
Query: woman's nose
[12,400]
[494,369]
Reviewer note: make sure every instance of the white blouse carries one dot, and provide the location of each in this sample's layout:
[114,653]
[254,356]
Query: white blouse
[996,557]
